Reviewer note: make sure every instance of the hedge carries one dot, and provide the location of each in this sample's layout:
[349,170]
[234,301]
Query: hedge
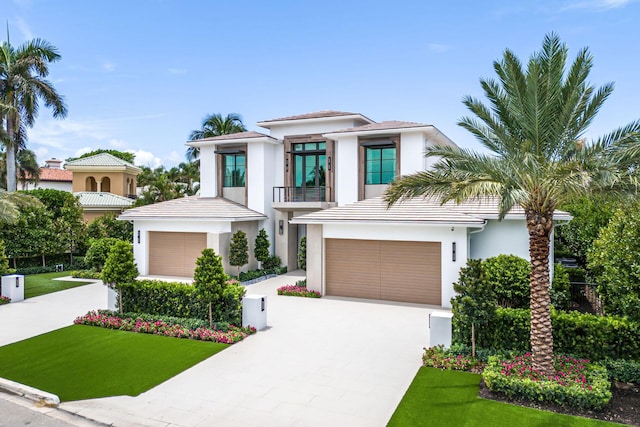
[579,334]
[173,299]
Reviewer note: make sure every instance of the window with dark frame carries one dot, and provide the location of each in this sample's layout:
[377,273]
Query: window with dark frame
[235,166]
[380,164]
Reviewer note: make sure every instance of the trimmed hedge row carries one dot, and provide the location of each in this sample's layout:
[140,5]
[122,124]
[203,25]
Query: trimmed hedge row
[179,300]
[579,334]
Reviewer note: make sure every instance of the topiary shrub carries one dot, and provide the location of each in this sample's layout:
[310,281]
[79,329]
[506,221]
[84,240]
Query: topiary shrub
[261,247]
[272,263]
[509,276]
[119,268]
[99,251]
[208,280]
[302,253]
[238,250]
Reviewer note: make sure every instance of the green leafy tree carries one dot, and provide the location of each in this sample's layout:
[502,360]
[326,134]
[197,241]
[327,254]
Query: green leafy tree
[31,235]
[509,277]
[302,253]
[209,279]
[122,155]
[533,129]
[239,250]
[119,268]
[23,72]
[614,263]
[475,302]
[108,225]
[99,251]
[261,247]
[214,125]
[4,261]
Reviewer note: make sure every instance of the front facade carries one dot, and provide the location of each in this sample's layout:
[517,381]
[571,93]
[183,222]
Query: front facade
[324,163]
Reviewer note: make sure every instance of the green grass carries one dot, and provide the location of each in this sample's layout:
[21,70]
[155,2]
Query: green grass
[41,284]
[86,362]
[450,398]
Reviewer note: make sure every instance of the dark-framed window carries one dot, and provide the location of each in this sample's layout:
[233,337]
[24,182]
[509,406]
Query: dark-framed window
[235,168]
[380,164]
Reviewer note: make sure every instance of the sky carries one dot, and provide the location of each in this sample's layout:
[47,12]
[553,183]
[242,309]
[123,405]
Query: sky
[140,75]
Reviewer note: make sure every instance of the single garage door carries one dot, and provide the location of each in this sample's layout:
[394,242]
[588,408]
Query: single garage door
[174,254]
[384,269]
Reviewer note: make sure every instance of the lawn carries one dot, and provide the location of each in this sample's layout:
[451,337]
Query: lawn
[85,362]
[450,398]
[40,284]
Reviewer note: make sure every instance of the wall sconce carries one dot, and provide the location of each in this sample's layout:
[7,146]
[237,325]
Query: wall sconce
[138,236]
[453,252]
[286,165]
[329,163]
[281,227]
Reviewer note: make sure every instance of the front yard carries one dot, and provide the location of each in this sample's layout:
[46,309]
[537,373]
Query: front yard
[41,284]
[84,362]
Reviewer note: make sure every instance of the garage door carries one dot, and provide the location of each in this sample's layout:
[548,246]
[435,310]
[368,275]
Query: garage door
[175,254]
[383,269]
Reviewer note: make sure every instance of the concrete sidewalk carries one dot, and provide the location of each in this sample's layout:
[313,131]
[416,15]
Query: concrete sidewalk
[321,362]
[35,316]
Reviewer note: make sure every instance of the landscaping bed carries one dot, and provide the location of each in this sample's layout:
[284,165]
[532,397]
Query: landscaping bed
[298,290]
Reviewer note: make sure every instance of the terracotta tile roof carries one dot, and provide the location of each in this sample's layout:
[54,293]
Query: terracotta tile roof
[194,208]
[239,135]
[57,175]
[92,199]
[386,125]
[417,210]
[314,115]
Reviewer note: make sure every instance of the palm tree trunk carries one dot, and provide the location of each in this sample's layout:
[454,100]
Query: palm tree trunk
[11,152]
[539,226]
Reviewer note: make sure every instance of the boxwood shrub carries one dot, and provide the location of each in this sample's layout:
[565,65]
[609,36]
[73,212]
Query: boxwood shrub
[580,334]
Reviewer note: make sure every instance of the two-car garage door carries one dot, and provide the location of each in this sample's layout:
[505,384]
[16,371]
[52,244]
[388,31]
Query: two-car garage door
[384,269]
[174,254]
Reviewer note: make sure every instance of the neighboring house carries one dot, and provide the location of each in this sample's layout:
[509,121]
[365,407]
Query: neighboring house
[51,176]
[321,175]
[103,183]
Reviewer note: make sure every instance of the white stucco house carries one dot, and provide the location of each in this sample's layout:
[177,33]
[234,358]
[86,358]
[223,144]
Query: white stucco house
[321,175]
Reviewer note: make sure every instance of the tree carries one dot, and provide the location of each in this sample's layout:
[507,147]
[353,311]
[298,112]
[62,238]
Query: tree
[122,155]
[537,158]
[214,125]
[23,72]
[108,225]
[119,268]
[614,263]
[261,247]
[208,279]
[27,164]
[239,250]
[98,252]
[475,302]
[4,261]
[302,253]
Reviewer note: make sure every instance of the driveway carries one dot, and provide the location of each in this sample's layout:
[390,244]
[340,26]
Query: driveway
[324,362]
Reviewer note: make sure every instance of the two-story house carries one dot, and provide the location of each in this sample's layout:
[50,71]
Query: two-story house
[322,175]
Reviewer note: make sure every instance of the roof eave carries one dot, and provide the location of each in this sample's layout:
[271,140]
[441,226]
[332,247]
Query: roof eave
[424,129]
[267,124]
[205,143]
[125,217]
[478,223]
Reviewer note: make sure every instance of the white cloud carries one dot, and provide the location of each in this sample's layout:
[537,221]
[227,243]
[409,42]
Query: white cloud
[437,47]
[58,133]
[597,5]
[42,154]
[177,71]
[108,66]
[118,143]
[81,151]
[25,29]
[175,157]
[146,158]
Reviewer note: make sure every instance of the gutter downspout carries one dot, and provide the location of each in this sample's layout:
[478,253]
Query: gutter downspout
[469,233]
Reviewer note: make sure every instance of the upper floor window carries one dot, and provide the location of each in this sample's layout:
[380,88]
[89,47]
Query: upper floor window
[380,164]
[235,167]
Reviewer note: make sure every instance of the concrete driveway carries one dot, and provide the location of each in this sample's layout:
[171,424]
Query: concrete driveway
[324,362]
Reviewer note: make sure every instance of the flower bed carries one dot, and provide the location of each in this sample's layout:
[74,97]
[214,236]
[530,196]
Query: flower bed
[576,383]
[4,300]
[298,290]
[438,357]
[160,327]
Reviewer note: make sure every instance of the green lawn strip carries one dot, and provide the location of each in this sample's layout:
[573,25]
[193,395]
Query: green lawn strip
[86,362]
[41,284]
[450,398]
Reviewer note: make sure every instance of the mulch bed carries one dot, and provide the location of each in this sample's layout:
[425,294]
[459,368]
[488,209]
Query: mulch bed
[624,406]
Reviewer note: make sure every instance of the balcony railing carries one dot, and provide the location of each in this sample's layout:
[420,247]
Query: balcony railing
[301,194]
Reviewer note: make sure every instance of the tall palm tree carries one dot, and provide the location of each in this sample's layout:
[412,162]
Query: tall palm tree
[23,70]
[27,165]
[214,125]
[533,127]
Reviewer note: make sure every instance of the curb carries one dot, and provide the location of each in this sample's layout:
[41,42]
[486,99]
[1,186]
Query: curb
[31,393]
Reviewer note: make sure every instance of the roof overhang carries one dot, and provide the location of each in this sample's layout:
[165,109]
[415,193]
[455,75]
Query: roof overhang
[123,168]
[267,124]
[470,223]
[380,132]
[211,142]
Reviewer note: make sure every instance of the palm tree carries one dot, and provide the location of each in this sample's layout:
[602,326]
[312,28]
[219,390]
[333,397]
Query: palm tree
[533,128]
[27,165]
[10,204]
[214,125]
[22,84]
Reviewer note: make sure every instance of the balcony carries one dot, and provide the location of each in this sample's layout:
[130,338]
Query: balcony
[302,197]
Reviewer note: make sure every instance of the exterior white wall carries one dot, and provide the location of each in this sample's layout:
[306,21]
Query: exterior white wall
[262,176]
[297,128]
[208,185]
[53,185]
[346,172]
[508,237]
[256,167]
[419,233]
[411,152]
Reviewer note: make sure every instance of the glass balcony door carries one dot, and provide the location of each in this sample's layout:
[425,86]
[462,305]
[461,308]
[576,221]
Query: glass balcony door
[309,172]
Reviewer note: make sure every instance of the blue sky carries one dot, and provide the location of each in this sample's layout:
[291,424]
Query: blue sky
[139,75]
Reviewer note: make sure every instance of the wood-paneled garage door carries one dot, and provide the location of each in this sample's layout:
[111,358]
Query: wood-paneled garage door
[384,269]
[174,254]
